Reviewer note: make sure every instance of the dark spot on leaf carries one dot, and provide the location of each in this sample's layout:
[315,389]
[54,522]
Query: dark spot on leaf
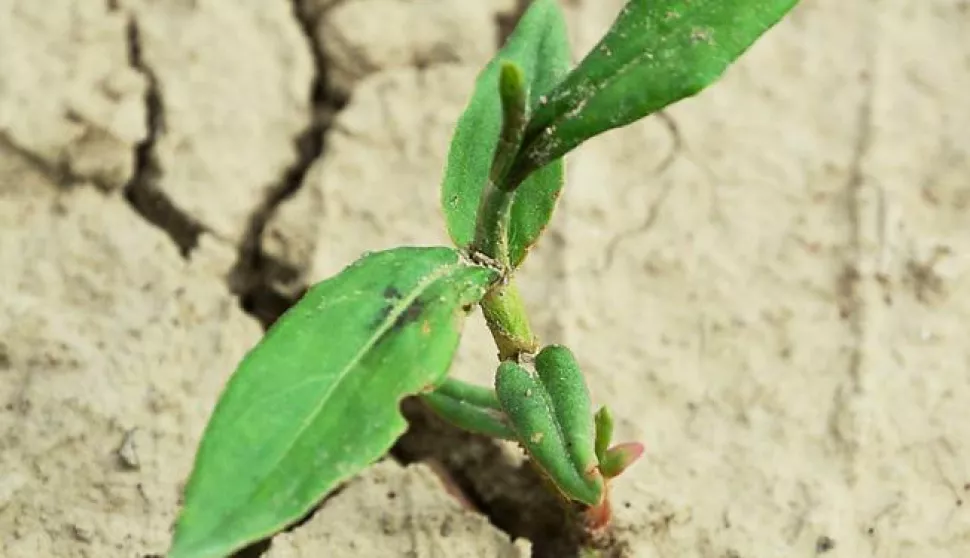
[392,293]
[411,314]
[391,495]
[382,315]
[824,544]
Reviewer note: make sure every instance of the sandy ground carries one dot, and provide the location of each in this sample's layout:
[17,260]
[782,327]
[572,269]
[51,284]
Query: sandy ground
[769,283]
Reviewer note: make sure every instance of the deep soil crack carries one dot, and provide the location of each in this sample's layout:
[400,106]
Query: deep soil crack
[255,273]
[142,191]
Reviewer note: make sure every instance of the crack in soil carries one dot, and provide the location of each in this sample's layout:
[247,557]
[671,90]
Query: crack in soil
[142,191]
[653,210]
[856,287]
[255,272]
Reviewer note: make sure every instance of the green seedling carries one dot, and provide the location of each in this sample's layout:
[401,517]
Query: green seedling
[316,401]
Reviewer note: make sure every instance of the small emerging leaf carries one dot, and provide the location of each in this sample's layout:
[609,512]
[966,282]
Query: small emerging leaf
[317,399]
[514,95]
[495,210]
[604,432]
[619,458]
[656,53]
[539,47]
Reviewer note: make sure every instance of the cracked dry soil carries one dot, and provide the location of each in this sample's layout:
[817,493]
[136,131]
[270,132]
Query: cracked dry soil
[769,283]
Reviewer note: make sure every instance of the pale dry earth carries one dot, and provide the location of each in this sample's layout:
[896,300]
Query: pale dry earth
[769,283]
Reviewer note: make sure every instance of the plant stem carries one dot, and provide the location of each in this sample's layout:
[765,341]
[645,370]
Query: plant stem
[508,322]
[502,306]
[491,230]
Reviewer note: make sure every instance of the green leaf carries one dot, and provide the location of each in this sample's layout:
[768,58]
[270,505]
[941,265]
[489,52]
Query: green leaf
[473,408]
[535,417]
[470,393]
[559,372]
[539,46]
[604,432]
[656,53]
[619,458]
[317,399]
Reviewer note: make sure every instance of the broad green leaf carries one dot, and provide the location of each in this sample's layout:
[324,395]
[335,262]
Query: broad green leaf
[539,47]
[656,53]
[317,399]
